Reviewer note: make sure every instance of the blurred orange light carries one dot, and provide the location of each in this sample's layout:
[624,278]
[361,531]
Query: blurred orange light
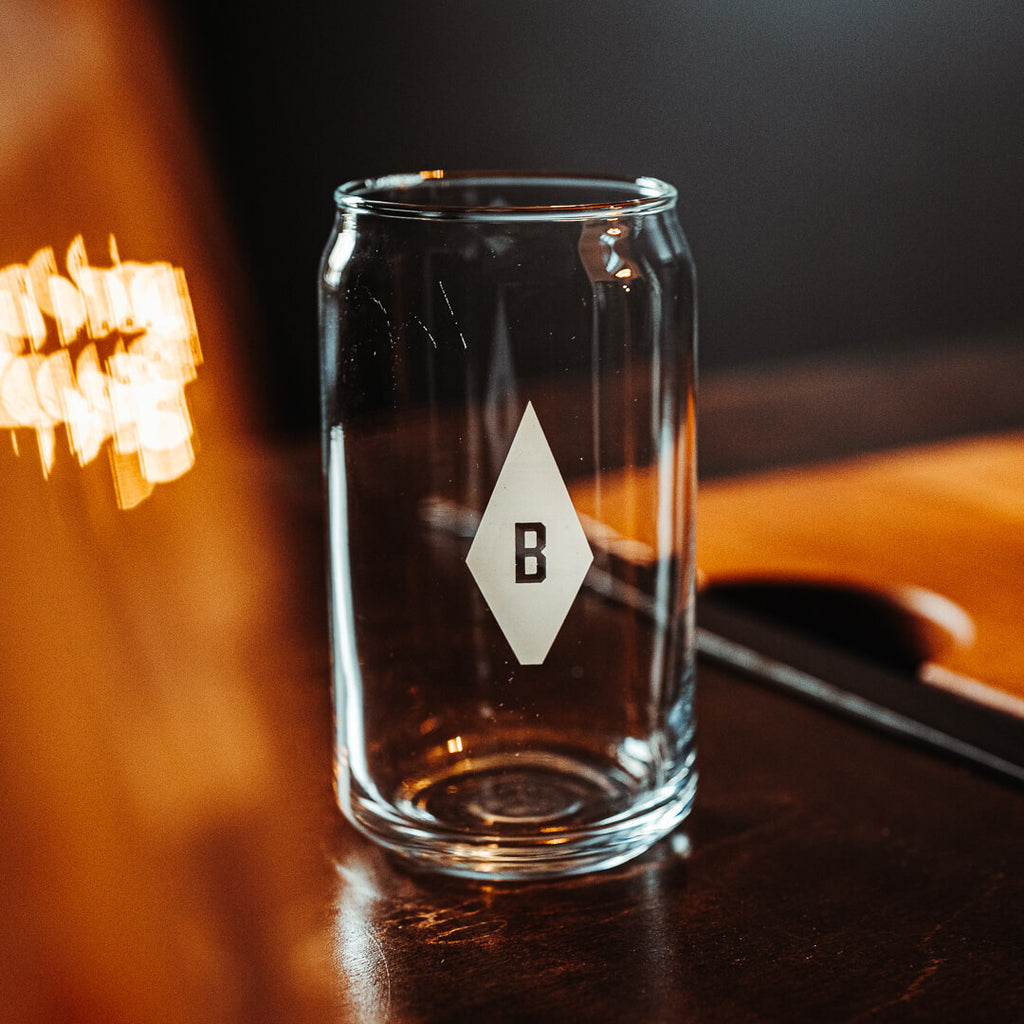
[135,397]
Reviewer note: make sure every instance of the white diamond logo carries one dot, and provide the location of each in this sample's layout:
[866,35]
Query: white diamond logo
[530,554]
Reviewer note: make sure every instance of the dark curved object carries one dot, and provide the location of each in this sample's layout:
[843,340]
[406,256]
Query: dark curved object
[856,653]
[861,622]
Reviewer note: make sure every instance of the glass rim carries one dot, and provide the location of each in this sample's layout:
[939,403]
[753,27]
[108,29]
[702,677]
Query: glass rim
[626,195]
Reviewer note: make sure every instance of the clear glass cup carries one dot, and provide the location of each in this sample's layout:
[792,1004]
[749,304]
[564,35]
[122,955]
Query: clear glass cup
[507,368]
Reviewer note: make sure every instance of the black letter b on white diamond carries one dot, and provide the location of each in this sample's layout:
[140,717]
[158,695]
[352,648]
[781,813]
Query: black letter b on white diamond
[529,534]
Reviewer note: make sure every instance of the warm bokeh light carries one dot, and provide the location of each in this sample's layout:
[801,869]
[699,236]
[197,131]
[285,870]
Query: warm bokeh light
[52,330]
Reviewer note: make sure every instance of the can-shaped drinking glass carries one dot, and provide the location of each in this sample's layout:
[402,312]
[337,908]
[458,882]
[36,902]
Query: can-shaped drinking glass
[507,372]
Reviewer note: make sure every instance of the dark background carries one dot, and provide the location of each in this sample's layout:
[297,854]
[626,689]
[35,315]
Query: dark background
[850,173]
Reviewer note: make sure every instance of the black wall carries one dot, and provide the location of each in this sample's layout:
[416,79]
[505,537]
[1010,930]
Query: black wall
[851,172]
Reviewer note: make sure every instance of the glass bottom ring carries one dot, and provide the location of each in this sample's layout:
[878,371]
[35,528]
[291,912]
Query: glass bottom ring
[520,816]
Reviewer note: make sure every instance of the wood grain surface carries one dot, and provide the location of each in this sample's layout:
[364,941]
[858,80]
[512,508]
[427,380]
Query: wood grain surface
[934,531]
[826,873]
[938,530]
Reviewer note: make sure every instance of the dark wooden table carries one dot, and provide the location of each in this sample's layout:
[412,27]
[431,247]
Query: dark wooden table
[170,849]
[827,873]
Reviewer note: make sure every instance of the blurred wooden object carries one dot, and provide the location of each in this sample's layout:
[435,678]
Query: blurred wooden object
[158,852]
[938,530]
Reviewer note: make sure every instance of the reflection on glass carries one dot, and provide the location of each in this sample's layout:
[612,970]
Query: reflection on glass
[107,352]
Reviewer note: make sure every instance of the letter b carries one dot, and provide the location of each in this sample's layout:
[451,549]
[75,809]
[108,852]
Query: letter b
[531,565]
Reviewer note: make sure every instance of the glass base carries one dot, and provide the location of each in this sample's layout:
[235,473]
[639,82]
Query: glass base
[526,815]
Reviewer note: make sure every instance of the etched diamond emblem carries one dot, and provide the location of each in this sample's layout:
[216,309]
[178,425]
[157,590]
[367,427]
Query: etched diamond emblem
[530,554]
